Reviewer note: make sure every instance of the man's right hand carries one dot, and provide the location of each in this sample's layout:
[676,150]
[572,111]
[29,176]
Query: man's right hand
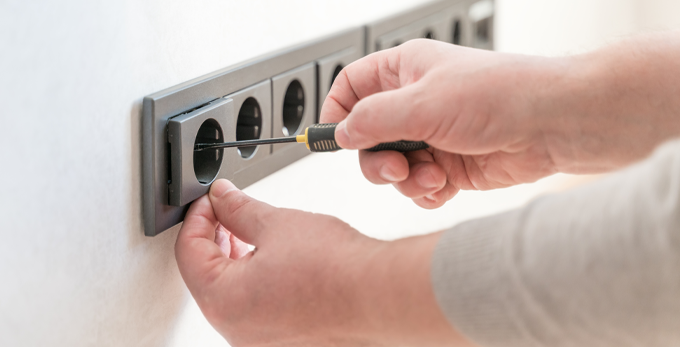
[494,120]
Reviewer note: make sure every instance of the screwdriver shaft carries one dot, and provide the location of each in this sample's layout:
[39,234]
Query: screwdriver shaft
[318,138]
[243,143]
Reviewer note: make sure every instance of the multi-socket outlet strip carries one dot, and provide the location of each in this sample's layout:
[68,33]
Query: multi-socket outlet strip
[272,96]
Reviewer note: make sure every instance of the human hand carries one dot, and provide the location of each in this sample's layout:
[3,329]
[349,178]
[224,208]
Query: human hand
[311,281]
[494,120]
[473,107]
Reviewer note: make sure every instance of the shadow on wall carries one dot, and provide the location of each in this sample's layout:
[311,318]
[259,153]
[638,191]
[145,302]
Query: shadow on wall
[140,306]
[136,230]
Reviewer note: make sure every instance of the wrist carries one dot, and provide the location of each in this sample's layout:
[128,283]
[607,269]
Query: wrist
[568,105]
[606,109]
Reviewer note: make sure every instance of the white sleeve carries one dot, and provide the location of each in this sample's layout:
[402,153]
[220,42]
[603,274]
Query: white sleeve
[597,266]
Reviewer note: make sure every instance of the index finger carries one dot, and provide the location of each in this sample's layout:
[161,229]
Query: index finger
[367,76]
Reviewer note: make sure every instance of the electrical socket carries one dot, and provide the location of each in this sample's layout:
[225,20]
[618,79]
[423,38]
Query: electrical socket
[481,15]
[411,24]
[329,67]
[192,172]
[252,120]
[294,101]
[432,27]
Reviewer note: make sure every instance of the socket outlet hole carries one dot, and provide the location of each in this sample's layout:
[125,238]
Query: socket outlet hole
[336,72]
[456,35]
[248,125]
[397,44]
[429,35]
[207,163]
[293,108]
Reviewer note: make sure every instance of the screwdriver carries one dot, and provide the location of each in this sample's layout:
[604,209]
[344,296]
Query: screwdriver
[318,138]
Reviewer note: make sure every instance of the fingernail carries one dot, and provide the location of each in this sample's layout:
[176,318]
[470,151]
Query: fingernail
[426,180]
[221,187]
[388,175]
[430,197]
[342,136]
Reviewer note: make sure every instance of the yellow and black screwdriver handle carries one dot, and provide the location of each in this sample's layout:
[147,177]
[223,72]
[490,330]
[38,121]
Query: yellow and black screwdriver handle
[321,138]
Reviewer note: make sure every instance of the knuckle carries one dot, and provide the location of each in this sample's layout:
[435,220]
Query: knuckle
[238,204]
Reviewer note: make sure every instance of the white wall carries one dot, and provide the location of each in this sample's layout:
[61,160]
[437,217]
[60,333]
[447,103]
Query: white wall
[658,14]
[559,27]
[74,266]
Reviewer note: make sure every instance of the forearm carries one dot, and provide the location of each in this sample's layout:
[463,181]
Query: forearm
[603,110]
[396,293]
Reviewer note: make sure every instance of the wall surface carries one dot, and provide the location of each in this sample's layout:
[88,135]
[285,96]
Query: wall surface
[658,14]
[558,27]
[74,266]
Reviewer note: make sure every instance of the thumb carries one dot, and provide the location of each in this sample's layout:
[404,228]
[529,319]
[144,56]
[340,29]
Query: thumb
[245,217]
[394,115]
